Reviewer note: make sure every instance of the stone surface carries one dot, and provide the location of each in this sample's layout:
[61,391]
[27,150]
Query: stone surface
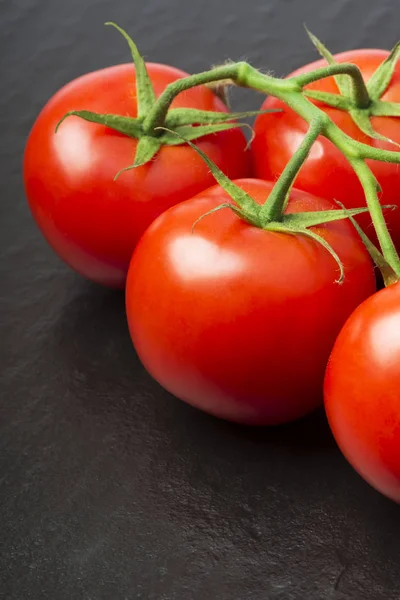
[110,488]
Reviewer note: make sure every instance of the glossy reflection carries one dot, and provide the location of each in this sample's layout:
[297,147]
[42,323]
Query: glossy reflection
[194,257]
[73,148]
[385,340]
[293,140]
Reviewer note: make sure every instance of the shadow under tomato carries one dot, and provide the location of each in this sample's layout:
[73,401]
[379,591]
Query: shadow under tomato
[93,346]
[311,432]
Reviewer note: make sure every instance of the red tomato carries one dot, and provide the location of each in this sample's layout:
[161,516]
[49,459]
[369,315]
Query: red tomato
[236,320]
[326,172]
[90,220]
[362,391]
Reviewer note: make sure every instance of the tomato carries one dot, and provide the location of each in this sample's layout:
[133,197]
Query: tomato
[326,172]
[362,391]
[90,220]
[236,320]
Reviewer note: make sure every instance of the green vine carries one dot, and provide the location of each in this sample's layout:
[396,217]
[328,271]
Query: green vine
[157,124]
[291,91]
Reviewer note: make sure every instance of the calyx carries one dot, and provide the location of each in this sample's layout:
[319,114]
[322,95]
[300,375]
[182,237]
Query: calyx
[187,123]
[371,104]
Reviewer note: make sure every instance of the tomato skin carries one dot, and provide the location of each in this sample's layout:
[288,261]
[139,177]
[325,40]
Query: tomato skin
[236,320]
[326,173]
[90,220]
[362,391]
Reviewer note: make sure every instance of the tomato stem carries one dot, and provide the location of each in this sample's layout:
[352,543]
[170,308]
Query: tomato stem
[273,209]
[371,187]
[359,92]
[158,114]
[355,152]
[290,91]
[388,274]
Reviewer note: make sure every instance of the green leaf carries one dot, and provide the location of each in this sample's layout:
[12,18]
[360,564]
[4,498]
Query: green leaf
[190,116]
[380,80]
[381,108]
[362,120]
[144,88]
[311,219]
[334,100]
[342,81]
[190,132]
[126,125]
[242,199]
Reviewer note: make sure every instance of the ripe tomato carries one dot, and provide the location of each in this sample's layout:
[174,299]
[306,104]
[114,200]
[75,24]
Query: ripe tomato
[240,321]
[362,390]
[326,172]
[90,220]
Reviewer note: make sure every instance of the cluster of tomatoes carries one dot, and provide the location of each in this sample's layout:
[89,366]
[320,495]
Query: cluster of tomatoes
[235,320]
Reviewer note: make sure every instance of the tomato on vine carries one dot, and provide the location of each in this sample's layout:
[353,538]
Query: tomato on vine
[373,121]
[92,220]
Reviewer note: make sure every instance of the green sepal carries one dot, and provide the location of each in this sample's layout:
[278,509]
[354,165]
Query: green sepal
[190,116]
[381,78]
[146,150]
[242,199]
[190,132]
[388,274]
[133,127]
[281,228]
[145,95]
[342,81]
[385,109]
[320,217]
[320,240]
[126,125]
[239,212]
[362,120]
[333,100]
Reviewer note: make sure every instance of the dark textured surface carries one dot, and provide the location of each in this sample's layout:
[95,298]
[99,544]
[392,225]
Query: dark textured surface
[110,488]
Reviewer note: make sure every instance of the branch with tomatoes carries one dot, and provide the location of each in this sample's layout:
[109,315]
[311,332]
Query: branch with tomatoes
[249,276]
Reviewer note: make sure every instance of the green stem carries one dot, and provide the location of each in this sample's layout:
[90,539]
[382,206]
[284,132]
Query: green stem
[355,152]
[273,209]
[370,186]
[156,117]
[286,90]
[360,94]
[290,92]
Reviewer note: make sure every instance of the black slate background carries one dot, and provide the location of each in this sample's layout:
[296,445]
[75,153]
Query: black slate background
[110,488]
